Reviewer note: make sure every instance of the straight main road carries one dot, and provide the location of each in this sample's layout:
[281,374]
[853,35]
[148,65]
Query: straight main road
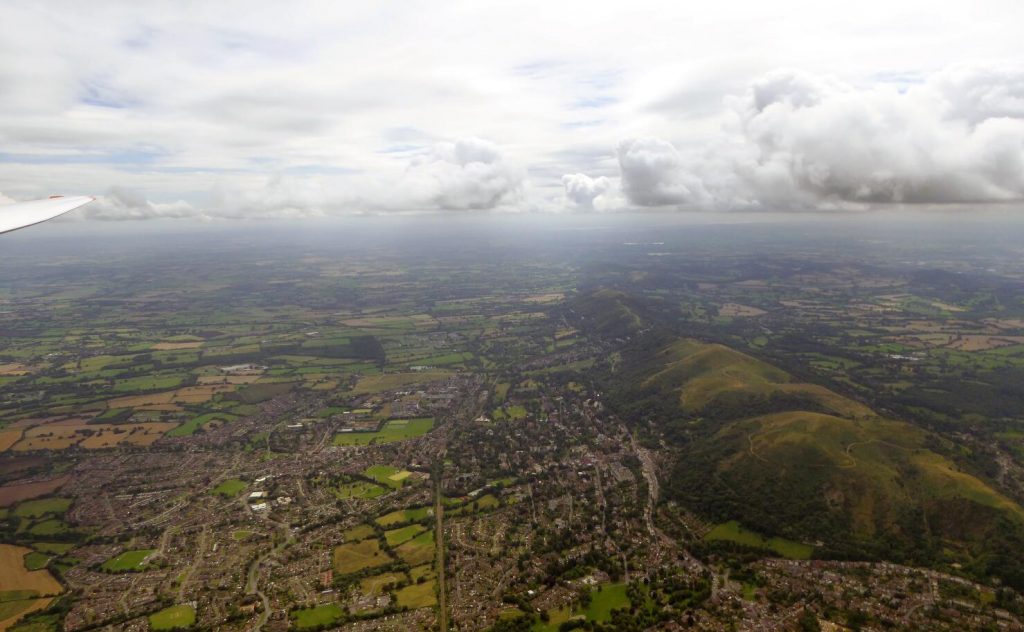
[442,591]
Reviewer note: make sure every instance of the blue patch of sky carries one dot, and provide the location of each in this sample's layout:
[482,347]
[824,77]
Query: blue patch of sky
[402,149]
[268,164]
[581,124]
[142,39]
[96,94]
[594,102]
[316,170]
[404,134]
[278,49]
[536,68]
[599,81]
[103,102]
[902,80]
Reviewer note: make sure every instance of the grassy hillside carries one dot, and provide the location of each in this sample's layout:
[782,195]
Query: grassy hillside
[713,377]
[800,461]
[801,474]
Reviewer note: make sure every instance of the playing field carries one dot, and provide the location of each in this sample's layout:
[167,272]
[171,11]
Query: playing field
[173,618]
[603,600]
[359,489]
[128,561]
[229,488]
[394,430]
[317,617]
[390,476]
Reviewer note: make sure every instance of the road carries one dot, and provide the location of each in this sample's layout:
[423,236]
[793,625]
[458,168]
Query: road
[442,592]
[252,585]
[187,575]
[650,474]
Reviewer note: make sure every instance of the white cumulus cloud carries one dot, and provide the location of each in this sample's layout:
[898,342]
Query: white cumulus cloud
[881,145]
[592,194]
[468,174]
[797,140]
[120,204]
[655,174]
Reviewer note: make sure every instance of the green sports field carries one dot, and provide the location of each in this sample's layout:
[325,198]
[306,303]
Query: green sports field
[394,430]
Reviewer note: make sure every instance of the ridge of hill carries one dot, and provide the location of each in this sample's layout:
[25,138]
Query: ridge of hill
[799,460]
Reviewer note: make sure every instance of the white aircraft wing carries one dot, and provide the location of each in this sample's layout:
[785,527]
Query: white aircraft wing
[22,214]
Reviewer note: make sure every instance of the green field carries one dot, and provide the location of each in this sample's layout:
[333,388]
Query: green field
[229,488]
[128,561]
[355,556]
[35,560]
[603,600]
[12,605]
[509,412]
[374,584]
[402,535]
[359,489]
[501,392]
[405,515]
[445,359]
[192,425]
[48,527]
[418,550]
[387,475]
[388,381]
[148,383]
[358,532]
[732,531]
[417,595]
[316,617]
[394,430]
[487,501]
[42,507]
[173,618]
[57,548]
[256,393]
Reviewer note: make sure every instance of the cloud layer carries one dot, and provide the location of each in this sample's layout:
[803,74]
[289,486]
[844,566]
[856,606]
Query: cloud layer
[246,108]
[794,140]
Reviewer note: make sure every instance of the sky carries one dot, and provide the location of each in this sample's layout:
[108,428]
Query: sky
[255,109]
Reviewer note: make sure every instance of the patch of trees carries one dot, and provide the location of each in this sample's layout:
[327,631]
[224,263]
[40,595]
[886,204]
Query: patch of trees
[367,348]
[998,393]
[731,406]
